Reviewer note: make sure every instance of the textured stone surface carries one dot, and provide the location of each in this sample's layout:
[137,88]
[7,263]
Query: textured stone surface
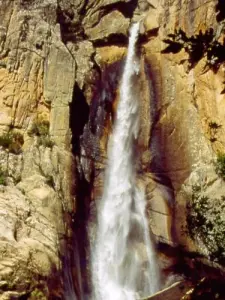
[109,54]
[54,53]
[187,102]
[113,23]
[32,226]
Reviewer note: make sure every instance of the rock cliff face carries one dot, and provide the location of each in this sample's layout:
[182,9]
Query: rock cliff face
[60,68]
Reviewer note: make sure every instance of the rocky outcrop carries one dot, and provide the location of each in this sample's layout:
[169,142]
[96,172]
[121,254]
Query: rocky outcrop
[36,201]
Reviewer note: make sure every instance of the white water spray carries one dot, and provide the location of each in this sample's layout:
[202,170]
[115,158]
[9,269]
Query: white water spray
[124,263]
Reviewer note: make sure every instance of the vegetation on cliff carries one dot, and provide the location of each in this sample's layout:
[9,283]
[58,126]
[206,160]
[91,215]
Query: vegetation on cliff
[213,131]
[220,165]
[40,128]
[206,44]
[206,223]
[198,46]
[3,176]
[13,141]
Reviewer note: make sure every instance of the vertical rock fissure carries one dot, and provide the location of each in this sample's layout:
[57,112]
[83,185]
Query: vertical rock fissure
[79,118]
[79,114]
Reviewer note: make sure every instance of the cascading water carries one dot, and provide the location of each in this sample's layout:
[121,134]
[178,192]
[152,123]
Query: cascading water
[124,265]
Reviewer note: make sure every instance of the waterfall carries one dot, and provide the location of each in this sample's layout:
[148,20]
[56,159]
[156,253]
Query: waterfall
[124,265]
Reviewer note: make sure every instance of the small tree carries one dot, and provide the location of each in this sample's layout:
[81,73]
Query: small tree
[220,165]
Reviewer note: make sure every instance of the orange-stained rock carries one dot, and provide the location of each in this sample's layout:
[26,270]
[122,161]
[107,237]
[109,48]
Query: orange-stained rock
[109,54]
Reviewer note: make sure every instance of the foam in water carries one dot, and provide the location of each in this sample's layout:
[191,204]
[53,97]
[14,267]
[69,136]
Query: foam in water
[124,265]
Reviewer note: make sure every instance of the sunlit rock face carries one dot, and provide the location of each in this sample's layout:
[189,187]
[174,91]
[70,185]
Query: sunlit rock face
[61,61]
[187,101]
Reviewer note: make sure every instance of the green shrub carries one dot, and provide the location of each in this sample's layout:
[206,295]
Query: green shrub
[40,128]
[220,165]
[5,140]
[37,295]
[13,141]
[205,221]
[45,141]
[3,177]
